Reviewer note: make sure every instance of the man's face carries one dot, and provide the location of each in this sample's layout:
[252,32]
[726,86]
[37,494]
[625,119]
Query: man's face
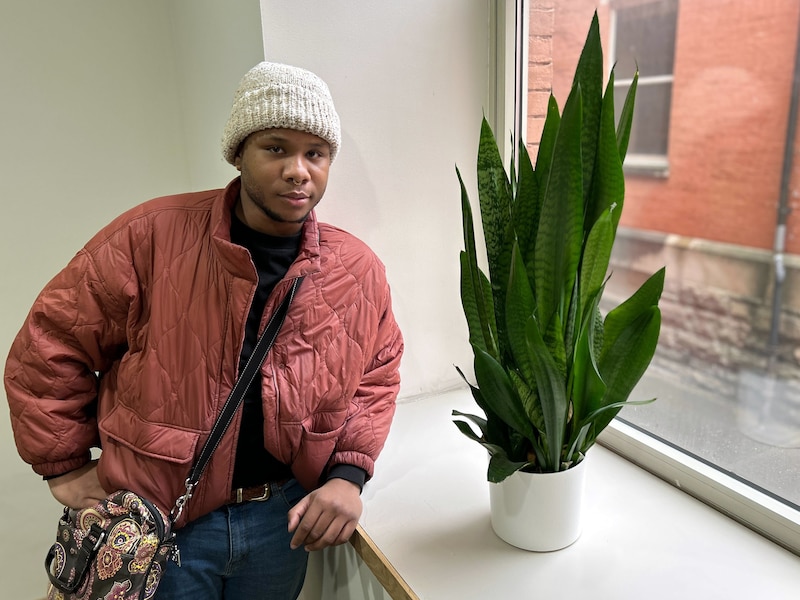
[284,175]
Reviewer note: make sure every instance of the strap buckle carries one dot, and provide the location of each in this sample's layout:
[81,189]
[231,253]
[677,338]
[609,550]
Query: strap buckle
[181,501]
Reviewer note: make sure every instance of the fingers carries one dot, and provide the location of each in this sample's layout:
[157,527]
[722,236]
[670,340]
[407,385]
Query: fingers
[324,532]
[326,517]
[296,513]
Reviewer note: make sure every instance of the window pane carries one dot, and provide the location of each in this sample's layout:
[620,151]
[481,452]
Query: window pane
[650,128]
[727,371]
[645,35]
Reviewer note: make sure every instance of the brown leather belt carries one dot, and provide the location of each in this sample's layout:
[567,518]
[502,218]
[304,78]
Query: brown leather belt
[256,493]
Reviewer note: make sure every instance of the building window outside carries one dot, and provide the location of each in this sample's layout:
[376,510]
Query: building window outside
[642,36]
[727,371]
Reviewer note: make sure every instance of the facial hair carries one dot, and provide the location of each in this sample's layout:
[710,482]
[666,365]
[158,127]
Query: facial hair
[256,195]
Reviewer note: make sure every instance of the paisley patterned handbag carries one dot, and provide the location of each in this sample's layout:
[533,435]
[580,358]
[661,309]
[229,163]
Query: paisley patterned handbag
[115,549]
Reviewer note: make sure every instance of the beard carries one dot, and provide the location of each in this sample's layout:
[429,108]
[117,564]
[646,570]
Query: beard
[276,217]
[256,195]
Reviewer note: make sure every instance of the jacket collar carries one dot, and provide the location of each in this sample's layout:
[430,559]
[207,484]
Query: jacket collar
[236,259]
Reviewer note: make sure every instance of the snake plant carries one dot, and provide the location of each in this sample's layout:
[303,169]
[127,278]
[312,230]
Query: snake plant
[551,371]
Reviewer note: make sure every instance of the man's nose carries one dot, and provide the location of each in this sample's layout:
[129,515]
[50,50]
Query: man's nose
[296,169]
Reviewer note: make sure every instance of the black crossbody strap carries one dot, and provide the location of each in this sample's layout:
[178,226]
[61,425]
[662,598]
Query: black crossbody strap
[236,396]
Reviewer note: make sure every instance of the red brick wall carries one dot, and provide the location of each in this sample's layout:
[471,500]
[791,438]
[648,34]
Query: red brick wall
[734,64]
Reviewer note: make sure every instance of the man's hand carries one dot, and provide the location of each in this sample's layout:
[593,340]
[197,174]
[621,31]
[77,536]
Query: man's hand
[79,488]
[328,516]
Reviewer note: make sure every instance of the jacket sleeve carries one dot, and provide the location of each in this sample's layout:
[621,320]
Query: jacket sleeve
[367,427]
[73,333]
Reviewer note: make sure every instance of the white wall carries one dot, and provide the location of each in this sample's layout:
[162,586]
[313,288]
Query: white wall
[410,81]
[105,103]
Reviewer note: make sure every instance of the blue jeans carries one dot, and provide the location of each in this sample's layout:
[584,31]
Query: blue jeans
[239,552]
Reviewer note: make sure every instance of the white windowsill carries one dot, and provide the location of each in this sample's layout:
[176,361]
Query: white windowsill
[427,510]
[749,506]
[648,165]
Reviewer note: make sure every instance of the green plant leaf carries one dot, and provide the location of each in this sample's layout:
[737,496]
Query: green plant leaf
[520,306]
[544,155]
[577,443]
[626,118]
[464,427]
[596,256]
[499,393]
[597,421]
[631,333]
[641,301]
[476,294]
[476,300]
[526,206]
[530,400]
[496,429]
[550,387]
[608,183]
[500,466]
[560,232]
[494,192]
[592,416]
[570,330]
[624,361]
[589,77]
[587,388]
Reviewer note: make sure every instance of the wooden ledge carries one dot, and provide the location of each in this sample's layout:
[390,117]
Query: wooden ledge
[380,566]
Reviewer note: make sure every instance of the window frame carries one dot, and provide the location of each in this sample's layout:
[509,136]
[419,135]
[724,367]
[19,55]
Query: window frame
[774,518]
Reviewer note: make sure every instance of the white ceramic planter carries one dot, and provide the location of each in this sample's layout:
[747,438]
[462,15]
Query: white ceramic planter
[541,512]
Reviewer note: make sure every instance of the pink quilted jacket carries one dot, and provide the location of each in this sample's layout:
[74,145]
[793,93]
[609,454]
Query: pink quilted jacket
[134,347]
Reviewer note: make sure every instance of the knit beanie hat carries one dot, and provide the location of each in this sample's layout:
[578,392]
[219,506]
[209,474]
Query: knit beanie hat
[274,95]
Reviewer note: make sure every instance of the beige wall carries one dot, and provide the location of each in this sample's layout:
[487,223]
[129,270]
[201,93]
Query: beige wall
[104,104]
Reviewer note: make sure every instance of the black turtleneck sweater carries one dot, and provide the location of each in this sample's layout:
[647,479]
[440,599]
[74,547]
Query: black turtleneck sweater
[272,257]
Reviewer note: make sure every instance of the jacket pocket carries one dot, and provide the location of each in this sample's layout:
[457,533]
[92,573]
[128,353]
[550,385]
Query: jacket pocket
[154,440]
[316,449]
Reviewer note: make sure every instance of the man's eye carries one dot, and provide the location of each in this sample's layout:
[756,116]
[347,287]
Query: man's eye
[273,149]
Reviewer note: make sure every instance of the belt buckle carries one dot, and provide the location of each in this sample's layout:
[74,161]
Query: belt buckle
[241,495]
[265,496]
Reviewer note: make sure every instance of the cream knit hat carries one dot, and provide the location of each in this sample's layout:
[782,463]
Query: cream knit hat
[274,95]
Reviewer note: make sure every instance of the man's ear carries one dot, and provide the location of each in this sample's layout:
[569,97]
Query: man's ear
[237,159]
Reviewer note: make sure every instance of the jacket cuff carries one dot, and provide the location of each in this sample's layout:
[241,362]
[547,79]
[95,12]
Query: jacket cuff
[349,473]
[57,469]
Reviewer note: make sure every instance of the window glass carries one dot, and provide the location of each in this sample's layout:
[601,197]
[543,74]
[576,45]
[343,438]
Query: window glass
[714,103]
[644,35]
[650,127]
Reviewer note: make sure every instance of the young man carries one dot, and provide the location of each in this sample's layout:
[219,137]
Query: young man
[136,344]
